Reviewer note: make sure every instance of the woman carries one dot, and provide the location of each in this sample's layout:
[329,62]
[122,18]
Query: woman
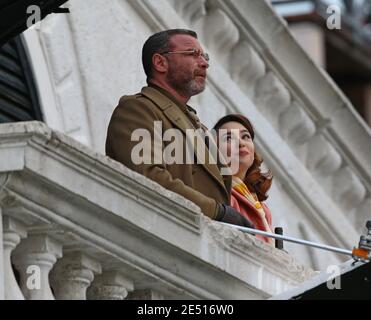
[249,184]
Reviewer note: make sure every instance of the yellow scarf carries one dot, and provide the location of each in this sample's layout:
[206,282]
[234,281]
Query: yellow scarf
[241,188]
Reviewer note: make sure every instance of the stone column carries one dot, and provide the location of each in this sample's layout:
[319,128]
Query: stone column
[72,275]
[13,231]
[34,258]
[111,285]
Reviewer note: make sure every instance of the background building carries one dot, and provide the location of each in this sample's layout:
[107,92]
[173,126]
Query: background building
[344,53]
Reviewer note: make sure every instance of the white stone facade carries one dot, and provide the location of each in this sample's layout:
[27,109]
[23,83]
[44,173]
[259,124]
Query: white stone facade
[307,131]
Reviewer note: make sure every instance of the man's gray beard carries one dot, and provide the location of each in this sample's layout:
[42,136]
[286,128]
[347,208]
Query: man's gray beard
[194,88]
[189,89]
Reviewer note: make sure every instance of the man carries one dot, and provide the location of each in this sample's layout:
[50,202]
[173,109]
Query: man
[176,66]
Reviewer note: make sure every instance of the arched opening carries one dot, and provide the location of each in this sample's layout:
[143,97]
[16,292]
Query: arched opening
[18,94]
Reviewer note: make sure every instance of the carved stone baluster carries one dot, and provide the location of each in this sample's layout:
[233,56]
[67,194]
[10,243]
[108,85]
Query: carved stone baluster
[222,34]
[13,231]
[362,214]
[246,66]
[295,125]
[34,258]
[111,285]
[348,189]
[147,294]
[272,95]
[191,10]
[323,157]
[72,275]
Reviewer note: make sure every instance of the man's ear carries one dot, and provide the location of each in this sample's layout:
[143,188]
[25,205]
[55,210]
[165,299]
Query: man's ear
[160,63]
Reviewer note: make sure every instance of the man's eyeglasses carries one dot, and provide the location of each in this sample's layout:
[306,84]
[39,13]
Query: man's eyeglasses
[194,52]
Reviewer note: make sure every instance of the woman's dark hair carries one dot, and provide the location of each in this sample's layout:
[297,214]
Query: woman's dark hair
[157,43]
[256,180]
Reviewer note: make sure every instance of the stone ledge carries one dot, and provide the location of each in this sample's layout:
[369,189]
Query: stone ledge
[39,134]
[158,237]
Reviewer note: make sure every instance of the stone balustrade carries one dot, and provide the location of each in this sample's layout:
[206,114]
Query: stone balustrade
[78,225]
[265,74]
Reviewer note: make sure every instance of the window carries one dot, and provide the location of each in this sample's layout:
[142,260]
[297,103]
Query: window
[18,96]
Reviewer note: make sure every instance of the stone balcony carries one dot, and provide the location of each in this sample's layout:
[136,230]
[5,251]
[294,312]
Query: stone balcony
[78,225]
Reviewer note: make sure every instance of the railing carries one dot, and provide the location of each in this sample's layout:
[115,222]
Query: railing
[78,225]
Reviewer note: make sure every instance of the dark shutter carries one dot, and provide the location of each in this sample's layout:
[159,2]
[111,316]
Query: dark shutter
[18,97]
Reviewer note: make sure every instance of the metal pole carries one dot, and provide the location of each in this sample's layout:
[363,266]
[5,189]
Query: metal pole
[290,239]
